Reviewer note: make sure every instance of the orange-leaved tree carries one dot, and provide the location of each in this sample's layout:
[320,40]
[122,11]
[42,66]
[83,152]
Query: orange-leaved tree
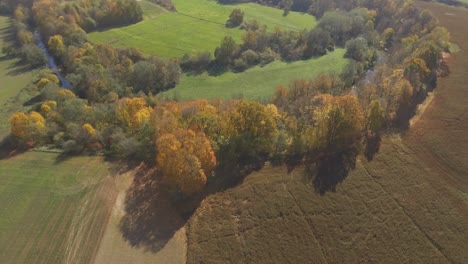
[185,159]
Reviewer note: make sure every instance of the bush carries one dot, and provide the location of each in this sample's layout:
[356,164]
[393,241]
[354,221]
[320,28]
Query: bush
[251,25]
[240,65]
[250,57]
[235,18]
[33,55]
[197,63]
[267,56]
[89,24]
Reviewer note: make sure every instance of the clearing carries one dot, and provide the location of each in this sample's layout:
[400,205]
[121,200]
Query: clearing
[198,25]
[256,83]
[410,204]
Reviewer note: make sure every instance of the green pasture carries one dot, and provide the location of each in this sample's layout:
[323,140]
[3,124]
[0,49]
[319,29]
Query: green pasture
[13,78]
[51,212]
[255,83]
[198,25]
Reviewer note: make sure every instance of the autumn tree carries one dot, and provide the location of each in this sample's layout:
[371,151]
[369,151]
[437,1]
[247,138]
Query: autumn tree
[249,127]
[339,123]
[27,129]
[375,118]
[132,112]
[185,159]
[56,46]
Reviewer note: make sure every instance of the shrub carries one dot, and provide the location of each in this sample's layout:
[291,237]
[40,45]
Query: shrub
[235,18]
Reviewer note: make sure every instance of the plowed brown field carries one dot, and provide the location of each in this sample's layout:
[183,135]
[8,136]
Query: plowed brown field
[409,205]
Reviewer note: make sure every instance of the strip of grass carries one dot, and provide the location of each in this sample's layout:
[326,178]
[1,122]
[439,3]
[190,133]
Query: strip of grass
[256,83]
[51,213]
[198,25]
[13,79]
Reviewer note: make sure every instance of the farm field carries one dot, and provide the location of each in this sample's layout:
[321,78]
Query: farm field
[409,204]
[12,77]
[52,212]
[115,249]
[198,25]
[385,211]
[255,83]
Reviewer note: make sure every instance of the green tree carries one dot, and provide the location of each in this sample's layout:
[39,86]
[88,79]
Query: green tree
[235,18]
[225,53]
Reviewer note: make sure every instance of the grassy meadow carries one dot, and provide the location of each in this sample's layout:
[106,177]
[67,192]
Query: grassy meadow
[52,212]
[198,25]
[13,79]
[255,83]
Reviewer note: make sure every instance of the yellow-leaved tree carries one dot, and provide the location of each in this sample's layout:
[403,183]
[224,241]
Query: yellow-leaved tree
[56,46]
[185,159]
[133,112]
[27,129]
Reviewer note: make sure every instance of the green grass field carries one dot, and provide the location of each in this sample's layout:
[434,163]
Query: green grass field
[12,79]
[256,83]
[52,213]
[198,25]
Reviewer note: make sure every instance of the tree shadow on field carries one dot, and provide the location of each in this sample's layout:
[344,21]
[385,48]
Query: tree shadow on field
[331,170]
[153,214]
[8,149]
[151,217]
[372,147]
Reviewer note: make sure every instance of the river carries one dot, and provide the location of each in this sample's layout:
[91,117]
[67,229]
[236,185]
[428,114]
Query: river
[51,61]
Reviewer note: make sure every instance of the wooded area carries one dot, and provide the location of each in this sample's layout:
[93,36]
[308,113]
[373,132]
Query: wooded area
[114,109]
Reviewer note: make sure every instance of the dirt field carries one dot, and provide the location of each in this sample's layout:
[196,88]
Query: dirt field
[409,205]
[114,248]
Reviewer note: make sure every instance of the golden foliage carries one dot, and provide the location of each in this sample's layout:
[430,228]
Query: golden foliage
[56,46]
[185,159]
[64,94]
[48,106]
[27,127]
[133,112]
[89,130]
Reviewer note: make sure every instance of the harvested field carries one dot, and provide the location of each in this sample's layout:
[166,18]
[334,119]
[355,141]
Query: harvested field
[52,212]
[114,248]
[408,205]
